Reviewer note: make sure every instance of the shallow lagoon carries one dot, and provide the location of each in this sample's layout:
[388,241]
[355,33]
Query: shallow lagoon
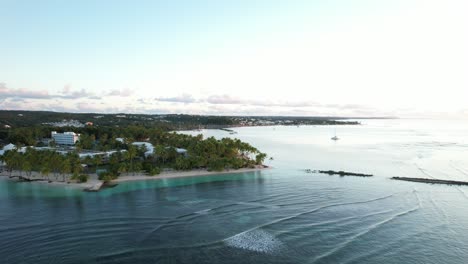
[283,215]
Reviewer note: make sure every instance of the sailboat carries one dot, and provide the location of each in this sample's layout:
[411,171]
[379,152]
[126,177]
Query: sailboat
[335,137]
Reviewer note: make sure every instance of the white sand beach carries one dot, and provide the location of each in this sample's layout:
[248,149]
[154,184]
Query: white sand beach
[95,184]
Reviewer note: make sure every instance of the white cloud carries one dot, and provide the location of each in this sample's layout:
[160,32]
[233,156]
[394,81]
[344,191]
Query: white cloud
[184,98]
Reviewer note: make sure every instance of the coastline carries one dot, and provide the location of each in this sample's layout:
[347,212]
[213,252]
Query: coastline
[37,178]
[94,185]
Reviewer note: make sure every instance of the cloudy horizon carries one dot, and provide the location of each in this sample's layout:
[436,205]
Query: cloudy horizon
[292,58]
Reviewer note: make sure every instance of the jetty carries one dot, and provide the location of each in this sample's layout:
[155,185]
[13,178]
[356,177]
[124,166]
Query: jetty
[431,181]
[341,173]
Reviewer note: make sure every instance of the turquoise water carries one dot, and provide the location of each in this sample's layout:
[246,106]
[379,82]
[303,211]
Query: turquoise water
[282,215]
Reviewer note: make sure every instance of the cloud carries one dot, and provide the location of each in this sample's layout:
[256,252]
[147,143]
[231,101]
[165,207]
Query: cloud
[67,93]
[184,98]
[224,99]
[219,104]
[122,93]
[227,99]
[148,106]
[6,92]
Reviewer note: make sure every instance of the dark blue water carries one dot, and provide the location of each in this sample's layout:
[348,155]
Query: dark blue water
[283,215]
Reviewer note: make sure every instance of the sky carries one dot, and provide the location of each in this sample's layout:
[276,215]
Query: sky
[405,58]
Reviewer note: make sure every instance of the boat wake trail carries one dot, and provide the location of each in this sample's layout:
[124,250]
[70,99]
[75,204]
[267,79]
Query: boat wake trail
[225,209]
[385,248]
[423,171]
[462,171]
[256,239]
[324,257]
[316,210]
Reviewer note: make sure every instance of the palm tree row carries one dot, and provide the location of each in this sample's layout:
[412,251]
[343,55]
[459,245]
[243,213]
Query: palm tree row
[44,162]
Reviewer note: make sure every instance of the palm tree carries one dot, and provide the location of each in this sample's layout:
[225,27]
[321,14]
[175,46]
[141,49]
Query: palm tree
[65,168]
[45,171]
[123,167]
[11,160]
[55,161]
[25,166]
[259,158]
[97,161]
[20,163]
[160,152]
[44,163]
[131,154]
[114,162]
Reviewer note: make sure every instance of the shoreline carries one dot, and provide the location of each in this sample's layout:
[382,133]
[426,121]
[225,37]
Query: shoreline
[222,127]
[95,185]
[37,178]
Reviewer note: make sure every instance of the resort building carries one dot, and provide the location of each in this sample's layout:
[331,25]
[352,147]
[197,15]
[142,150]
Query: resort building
[66,138]
[149,147]
[7,148]
[104,154]
[181,151]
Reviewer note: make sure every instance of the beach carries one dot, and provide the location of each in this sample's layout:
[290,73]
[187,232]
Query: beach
[94,183]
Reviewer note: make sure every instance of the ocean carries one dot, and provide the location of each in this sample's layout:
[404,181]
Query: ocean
[279,215]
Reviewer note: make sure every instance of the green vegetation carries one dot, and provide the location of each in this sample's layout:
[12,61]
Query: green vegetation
[80,177]
[107,176]
[198,153]
[26,127]
[48,163]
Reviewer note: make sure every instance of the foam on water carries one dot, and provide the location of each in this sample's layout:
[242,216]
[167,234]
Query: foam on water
[255,240]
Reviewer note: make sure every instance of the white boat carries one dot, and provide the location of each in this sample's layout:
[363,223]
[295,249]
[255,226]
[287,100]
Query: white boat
[335,137]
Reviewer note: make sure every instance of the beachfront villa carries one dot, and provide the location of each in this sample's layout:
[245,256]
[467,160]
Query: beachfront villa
[92,154]
[7,148]
[181,151]
[150,148]
[66,138]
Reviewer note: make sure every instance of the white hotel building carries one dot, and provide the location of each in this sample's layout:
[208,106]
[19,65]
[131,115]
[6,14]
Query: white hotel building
[66,138]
